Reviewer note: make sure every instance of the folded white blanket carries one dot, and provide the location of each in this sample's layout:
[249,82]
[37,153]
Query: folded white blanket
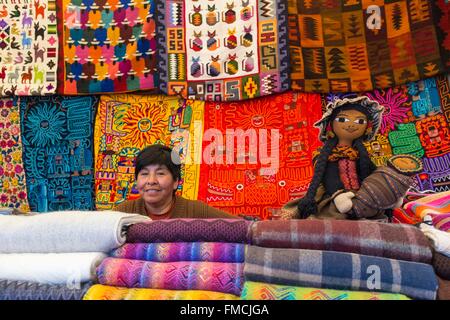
[440,239]
[50,268]
[65,231]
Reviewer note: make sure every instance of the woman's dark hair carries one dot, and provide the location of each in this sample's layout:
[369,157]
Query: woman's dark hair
[159,154]
[307,205]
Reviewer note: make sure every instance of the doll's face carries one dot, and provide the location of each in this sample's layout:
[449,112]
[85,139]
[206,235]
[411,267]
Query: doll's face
[349,125]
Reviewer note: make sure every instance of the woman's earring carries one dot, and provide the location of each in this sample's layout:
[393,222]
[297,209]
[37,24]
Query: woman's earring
[330,134]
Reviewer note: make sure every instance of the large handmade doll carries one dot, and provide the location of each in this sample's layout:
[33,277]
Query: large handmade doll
[342,167]
[343,162]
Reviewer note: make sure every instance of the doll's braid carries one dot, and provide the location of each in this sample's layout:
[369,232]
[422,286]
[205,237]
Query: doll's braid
[366,166]
[307,205]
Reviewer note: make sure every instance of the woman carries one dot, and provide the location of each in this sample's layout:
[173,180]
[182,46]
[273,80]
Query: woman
[157,179]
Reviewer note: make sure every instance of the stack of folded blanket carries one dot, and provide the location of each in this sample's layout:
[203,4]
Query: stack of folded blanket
[335,259]
[54,255]
[434,211]
[195,259]
[440,241]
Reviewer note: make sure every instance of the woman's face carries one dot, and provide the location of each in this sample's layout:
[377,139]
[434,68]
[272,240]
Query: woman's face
[349,125]
[156,184]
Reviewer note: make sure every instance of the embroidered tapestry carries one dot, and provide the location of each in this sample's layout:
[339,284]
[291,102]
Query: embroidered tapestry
[257,155]
[126,124]
[354,45]
[416,121]
[57,135]
[28,47]
[13,192]
[107,45]
[222,50]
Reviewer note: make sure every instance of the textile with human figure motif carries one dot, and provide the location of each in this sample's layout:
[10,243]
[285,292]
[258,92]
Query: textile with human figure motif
[13,192]
[222,50]
[28,47]
[126,124]
[416,121]
[108,46]
[354,45]
[257,153]
[57,135]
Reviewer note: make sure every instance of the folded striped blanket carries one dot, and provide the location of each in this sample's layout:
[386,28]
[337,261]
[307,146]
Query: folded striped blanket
[21,290]
[402,242]
[50,268]
[101,292]
[182,251]
[404,217]
[191,230]
[266,291]
[441,221]
[65,231]
[434,204]
[212,276]
[337,270]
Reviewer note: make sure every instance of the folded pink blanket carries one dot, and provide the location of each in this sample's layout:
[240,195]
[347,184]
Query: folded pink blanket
[182,251]
[212,276]
[438,203]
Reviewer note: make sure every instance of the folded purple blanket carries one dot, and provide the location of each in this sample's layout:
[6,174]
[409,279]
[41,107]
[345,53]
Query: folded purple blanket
[396,241]
[191,230]
[212,276]
[182,251]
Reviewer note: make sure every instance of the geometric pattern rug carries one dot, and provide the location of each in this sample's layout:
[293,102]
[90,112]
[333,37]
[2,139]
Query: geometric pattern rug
[356,46]
[222,50]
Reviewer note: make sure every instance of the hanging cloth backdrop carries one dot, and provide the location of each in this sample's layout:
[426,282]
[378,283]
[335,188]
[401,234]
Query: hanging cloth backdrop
[416,121]
[13,192]
[441,16]
[344,46]
[237,184]
[222,50]
[108,46]
[57,144]
[125,125]
[28,47]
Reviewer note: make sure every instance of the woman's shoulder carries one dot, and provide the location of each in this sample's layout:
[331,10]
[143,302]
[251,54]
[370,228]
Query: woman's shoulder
[199,209]
[130,206]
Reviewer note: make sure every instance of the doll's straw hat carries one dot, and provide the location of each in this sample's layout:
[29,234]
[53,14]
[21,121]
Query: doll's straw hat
[371,107]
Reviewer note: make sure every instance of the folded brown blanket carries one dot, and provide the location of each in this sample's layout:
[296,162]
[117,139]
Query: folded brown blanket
[395,241]
[443,289]
[441,265]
